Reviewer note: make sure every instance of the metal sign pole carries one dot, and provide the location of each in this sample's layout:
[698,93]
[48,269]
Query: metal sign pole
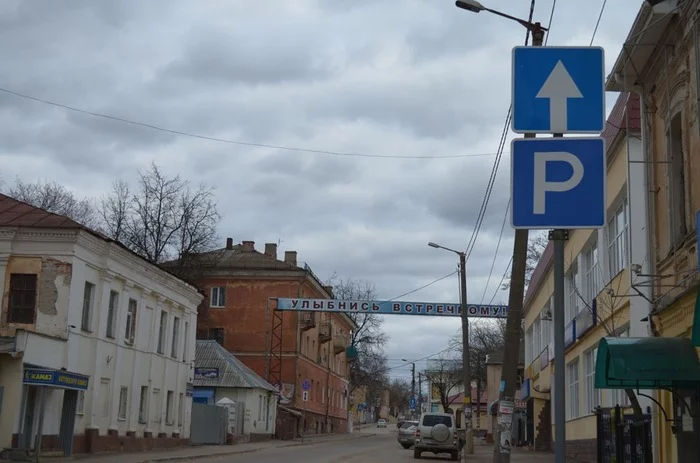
[559,237]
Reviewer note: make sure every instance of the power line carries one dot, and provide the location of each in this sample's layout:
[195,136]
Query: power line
[595,30]
[498,288]
[495,254]
[233,142]
[424,286]
[497,162]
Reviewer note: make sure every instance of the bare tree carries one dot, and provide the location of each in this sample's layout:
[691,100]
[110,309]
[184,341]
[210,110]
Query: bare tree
[485,337]
[399,393]
[444,377]
[603,308]
[162,219]
[55,198]
[368,338]
[535,249]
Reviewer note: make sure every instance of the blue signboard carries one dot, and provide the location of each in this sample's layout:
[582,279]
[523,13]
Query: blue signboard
[392,307]
[55,378]
[558,183]
[558,89]
[412,404]
[206,373]
[306,385]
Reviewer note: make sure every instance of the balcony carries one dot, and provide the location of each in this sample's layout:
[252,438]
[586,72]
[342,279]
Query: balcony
[584,321]
[307,320]
[324,333]
[340,343]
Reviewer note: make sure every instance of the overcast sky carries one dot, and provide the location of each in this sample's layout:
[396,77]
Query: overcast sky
[409,78]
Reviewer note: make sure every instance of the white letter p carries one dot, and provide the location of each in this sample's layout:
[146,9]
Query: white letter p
[542,186]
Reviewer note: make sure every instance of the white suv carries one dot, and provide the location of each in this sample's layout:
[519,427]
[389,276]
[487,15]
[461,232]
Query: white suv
[436,433]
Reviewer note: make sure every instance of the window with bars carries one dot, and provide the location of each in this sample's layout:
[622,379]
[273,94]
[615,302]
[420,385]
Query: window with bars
[123,396]
[21,307]
[88,302]
[131,312]
[112,311]
[618,246]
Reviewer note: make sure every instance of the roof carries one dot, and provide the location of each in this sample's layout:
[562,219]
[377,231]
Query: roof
[15,213]
[646,363]
[232,372]
[496,358]
[239,257]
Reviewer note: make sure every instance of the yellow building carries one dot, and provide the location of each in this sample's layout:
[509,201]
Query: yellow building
[597,303]
[661,63]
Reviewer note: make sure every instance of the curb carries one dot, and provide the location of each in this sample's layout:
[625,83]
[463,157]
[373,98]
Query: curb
[236,452]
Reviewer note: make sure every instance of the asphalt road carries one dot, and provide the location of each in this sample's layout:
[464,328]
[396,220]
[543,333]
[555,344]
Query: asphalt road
[381,448]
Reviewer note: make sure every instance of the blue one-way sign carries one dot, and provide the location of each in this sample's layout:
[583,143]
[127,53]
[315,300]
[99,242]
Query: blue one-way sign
[558,90]
[412,404]
[558,183]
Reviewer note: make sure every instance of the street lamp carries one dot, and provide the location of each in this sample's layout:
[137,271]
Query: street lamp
[476,7]
[517,290]
[466,367]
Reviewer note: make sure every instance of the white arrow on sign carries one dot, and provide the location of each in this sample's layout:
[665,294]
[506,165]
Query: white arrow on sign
[559,87]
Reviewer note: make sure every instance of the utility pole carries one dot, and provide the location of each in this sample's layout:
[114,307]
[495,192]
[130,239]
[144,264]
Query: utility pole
[511,357]
[420,394]
[413,384]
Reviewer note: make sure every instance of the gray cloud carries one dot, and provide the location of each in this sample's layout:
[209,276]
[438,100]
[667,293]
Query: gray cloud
[419,78]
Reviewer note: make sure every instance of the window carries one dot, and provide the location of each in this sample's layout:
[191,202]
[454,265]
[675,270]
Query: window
[157,406]
[592,284]
[617,240]
[176,337]
[185,350]
[22,301]
[80,404]
[105,396]
[130,331]
[573,396]
[217,334]
[260,407]
[161,331]
[169,408]
[218,296]
[123,395]
[181,410]
[676,180]
[88,298]
[573,306]
[112,313]
[592,394]
[143,405]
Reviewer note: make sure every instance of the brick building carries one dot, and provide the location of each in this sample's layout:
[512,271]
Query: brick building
[284,347]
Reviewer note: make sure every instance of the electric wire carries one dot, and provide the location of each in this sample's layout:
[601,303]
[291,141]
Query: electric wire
[229,141]
[595,30]
[495,254]
[503,278]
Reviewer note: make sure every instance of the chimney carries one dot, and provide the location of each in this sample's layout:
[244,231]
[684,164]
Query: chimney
[249,246]
[271,250]
[229,244]
[290,257]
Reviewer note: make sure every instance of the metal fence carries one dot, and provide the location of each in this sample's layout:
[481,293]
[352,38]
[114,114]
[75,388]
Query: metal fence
[209,424]
[620,440]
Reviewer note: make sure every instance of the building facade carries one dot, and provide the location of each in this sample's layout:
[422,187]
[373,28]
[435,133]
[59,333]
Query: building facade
[241,284]
[597,296]
[96,344]
[661,65]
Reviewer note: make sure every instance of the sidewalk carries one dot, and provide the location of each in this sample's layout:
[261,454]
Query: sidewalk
[483,453]
[203,451]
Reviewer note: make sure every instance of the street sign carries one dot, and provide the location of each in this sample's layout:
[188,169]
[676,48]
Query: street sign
[558,183]
[305,385]
[305,396]
[558,90]
[412,403]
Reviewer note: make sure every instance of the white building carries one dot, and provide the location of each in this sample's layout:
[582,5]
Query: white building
[95,342]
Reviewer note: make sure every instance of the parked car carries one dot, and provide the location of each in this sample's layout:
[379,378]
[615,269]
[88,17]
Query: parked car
[437,433]
[381,423]
[406,433]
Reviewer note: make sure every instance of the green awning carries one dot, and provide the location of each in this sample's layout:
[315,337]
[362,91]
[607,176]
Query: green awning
[646,363]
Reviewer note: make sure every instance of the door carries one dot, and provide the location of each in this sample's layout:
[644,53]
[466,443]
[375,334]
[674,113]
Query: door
[29,415]
[530,426]
[687,407]
[65,432]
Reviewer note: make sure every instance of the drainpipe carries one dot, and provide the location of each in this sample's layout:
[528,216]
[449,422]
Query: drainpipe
[328,372]
[649,172]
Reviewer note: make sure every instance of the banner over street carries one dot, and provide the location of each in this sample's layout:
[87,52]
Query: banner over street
[391,307]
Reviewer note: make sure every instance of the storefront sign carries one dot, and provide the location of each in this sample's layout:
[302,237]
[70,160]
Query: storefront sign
[206,373]
[55,378]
